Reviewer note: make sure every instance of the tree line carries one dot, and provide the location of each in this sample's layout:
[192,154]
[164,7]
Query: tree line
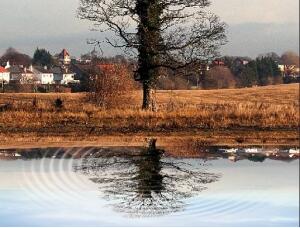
[234,72]
[41,57]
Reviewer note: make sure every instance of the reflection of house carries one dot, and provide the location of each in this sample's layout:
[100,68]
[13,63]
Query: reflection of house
[4,75]
[64,57]
[6,155]
[63,76]
[44,75]
[260,154]
[22,75]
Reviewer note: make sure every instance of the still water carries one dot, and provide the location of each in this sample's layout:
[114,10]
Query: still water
[128,187]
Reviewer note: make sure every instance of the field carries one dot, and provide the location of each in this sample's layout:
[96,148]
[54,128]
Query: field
[262,115]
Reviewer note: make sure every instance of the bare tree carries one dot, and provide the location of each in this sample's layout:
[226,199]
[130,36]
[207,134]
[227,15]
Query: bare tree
[107,84]
[290,58]
[169,34]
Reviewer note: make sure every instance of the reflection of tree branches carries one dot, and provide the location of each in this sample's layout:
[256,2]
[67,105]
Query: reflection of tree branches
[147,185]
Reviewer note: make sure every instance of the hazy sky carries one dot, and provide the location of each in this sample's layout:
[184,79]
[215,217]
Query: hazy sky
[255,26]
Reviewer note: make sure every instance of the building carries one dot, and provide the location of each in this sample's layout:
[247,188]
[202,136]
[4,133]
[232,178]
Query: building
[44,75]
[63,76]
[21,75]
[289,70]
[64,57]
[4,75]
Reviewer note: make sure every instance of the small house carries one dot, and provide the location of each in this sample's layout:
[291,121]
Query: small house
[21,75]
[4,75]
[44,75]
[63,76]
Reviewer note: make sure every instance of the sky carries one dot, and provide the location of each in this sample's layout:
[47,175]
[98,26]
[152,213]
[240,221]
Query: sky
[254,26]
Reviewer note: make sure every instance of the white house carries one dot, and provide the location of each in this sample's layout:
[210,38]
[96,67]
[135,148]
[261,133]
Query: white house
[4,75]
[63,76]
[43,75]
[21,75]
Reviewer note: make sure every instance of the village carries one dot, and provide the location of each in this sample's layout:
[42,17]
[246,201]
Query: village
[69,72]
[59,75]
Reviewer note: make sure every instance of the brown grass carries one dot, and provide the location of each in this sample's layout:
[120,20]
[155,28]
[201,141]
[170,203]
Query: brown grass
[273,108]
[278,94]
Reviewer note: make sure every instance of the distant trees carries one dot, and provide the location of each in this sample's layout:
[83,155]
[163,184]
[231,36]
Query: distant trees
[261,71]
[15,57]
[274,56]
[219,77]
[236,72]
[248,76]
[90,56]
[267,71]
[42,57]
[290,58]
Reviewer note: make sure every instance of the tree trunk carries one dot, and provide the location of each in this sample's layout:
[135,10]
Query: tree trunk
[149,101]
[149,34]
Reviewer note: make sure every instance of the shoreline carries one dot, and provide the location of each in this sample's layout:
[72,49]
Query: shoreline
[234,138]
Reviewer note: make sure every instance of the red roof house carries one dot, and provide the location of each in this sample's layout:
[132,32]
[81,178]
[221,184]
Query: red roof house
[3,70]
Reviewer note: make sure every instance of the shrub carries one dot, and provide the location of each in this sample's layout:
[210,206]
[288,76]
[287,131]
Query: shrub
[219,78]
[108,83]
[35,102]
[59,104]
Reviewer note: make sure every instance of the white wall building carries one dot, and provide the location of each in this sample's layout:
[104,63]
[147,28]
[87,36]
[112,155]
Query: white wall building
[4,75]
[44,76]
[21,75]
[68,78]
[63,76]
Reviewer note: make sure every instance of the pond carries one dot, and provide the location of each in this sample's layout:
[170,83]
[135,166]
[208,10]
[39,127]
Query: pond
[135,187]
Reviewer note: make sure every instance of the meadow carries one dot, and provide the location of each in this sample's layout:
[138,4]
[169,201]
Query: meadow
[258,115]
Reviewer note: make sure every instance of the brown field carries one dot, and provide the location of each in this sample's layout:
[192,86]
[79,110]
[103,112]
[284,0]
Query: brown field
[265,115]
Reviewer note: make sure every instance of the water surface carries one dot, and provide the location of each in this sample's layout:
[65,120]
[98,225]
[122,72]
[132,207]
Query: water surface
[124,187]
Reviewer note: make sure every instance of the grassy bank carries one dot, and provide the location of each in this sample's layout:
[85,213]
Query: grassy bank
[264,109]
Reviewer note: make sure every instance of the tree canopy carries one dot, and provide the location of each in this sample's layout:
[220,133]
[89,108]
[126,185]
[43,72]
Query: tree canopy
[15,57]
[169,34]
[42,57]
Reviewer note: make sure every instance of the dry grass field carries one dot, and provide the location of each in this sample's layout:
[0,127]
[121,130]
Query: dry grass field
[278,94]
[271,111]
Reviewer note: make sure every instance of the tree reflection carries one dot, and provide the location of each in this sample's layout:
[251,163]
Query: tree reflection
[148,184]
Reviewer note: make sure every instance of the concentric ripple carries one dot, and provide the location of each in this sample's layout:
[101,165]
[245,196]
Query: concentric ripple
[51,181]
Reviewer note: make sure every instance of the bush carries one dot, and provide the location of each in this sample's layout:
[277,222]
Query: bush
[219,78]
[108,83]
[59,104]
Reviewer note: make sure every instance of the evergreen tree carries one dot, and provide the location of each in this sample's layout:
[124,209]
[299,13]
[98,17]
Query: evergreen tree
[42,57]
[268,70]
[249,75]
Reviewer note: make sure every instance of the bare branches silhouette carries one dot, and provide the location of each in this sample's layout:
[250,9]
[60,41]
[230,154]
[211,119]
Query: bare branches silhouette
[147,184]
